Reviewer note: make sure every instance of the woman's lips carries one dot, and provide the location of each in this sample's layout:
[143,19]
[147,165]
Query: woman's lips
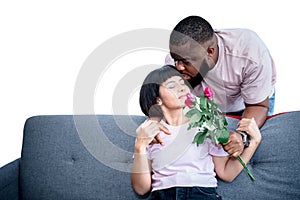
[182,96]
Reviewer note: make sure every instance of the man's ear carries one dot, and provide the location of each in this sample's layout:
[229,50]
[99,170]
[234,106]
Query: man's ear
[210,51]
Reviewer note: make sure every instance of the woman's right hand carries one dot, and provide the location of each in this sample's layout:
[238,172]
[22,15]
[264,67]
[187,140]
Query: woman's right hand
[146,133]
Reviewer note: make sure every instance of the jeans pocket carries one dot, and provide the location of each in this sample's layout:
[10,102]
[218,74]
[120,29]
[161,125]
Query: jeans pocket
[169,194]
[206,190]
[207,193]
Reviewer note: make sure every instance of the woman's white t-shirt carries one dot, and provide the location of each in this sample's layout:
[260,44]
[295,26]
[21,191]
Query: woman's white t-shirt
[182,163]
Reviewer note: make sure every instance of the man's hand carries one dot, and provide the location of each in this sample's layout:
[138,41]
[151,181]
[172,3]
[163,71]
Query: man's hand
[235,145]
[251,128]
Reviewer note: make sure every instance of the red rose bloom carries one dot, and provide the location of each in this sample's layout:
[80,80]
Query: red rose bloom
[190,100]
[208,92]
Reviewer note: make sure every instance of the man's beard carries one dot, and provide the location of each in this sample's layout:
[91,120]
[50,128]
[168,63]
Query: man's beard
[196,80]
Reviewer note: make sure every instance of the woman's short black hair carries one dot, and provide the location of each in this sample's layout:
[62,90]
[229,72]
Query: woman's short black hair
[150,89]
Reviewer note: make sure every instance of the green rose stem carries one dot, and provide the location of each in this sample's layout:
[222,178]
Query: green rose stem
[203,109]
[223,138]
[246,168]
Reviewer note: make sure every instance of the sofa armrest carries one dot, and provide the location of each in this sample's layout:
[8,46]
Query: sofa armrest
[9,180]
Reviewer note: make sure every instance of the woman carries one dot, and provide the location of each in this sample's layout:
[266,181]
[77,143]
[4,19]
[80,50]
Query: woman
[179,169]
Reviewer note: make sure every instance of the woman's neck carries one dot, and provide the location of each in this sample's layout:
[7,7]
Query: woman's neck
[175,118]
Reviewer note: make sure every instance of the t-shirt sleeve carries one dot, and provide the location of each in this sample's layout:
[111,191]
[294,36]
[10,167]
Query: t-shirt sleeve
[257,80]
[148,150]
[169,60]
[215,150]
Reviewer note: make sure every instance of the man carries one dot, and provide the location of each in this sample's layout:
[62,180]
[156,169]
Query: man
[235,63]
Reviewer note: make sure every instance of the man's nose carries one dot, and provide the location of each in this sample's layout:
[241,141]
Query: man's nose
[179,65]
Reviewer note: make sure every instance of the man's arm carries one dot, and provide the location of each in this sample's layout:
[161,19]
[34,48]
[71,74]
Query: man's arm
[258,111]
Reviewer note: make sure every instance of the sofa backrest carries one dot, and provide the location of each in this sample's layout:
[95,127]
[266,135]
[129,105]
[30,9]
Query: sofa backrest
[56,165]
[90,157]
[275,164]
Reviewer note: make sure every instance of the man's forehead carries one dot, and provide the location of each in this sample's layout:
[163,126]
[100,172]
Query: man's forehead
[185,53]
[181,51]
[179,57]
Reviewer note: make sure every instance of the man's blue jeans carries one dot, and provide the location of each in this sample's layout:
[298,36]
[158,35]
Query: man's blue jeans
[270,112]
[272,104]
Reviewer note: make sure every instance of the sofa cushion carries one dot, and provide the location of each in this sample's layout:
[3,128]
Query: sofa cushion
[9,181]
[56,165]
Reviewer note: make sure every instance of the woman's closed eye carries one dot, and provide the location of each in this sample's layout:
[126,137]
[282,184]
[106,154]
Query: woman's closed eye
[171,85]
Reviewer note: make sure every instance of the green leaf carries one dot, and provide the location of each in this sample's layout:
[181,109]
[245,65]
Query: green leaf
[209,123]
[220,123]
[191,112]
[199,137]
[214,106]
[225,121]
[223,136]
[213,136]
[195,117]
[203,103]
[200,123]
[209,105]
[205,112]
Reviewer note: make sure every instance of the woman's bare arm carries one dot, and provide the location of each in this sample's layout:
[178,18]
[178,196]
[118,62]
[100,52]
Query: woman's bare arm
[227,168]
[141,172]
[141,169]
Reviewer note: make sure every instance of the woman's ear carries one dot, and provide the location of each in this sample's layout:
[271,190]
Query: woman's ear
[159,101]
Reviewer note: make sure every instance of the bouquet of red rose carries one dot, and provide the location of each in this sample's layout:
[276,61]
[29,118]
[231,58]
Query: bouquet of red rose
[205,114]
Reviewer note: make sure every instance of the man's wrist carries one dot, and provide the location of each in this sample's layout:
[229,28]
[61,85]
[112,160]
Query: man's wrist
[245,138]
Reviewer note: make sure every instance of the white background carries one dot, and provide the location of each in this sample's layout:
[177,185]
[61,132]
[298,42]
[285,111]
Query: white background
[43,45]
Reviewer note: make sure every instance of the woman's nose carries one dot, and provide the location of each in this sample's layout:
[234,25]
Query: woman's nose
[181,87]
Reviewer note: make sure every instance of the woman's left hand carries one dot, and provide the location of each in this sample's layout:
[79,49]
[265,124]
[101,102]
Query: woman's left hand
[251,128]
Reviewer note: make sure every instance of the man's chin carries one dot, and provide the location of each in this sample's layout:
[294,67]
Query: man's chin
[194,81]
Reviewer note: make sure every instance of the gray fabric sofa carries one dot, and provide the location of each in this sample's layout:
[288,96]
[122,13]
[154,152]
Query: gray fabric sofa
[90,157]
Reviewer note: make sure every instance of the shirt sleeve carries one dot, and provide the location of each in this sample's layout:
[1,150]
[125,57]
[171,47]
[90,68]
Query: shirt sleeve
[257,81]
[215,150]
[169,60]
[148,150]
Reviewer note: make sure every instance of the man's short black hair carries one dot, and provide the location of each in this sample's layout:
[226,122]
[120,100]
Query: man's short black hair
[191,28]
